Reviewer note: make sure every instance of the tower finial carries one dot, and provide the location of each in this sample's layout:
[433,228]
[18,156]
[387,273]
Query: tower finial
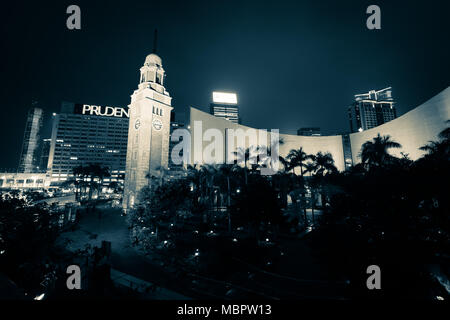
[155,40]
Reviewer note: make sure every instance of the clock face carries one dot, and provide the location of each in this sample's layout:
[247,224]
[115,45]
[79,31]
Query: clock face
[137,124]
[157,124]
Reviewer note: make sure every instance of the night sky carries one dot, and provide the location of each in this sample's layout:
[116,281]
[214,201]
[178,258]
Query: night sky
[293,64]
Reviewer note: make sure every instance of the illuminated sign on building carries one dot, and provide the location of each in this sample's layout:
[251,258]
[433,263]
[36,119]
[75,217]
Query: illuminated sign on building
[224,97]
[105,111]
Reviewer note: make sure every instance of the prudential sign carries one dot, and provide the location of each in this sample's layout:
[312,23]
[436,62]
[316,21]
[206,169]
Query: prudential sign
[104,111]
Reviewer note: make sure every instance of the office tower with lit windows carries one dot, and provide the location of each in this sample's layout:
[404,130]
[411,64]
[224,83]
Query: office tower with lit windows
[29,157]
[85,134]
[371,109]
[225,106]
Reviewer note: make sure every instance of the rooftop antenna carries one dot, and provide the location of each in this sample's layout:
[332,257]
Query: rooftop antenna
[155,40]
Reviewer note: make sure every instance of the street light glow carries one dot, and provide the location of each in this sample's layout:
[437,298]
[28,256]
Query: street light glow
[39,297]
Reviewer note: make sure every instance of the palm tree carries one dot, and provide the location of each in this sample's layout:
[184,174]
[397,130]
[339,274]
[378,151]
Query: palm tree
[285,163]
[310,168]
[375,153]
[266,158]
[280,178]
[96,172]
[439,149]
[195,180]
[322,164]
[297,158]
[207,174]
[432,147]
[87,176]
[445,134]
[227,170]
[80,173]
[245,155]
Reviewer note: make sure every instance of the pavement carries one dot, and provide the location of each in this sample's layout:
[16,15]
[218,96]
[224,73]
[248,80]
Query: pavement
[111,226]
[301,277]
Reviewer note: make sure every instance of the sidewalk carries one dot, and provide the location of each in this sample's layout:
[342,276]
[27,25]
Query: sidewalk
[126,262]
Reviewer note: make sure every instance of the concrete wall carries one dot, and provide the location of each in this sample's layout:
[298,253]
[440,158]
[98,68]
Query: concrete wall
[311,145]
[412,130]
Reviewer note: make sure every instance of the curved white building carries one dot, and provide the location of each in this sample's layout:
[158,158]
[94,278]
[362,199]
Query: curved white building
[412,130]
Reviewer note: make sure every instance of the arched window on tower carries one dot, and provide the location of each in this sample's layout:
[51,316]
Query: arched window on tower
[158,78]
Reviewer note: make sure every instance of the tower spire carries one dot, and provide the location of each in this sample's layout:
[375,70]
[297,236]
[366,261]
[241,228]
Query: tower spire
[155,41]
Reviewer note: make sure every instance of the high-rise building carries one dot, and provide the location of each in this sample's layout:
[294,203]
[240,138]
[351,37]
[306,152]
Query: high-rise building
[29,157]
[177,121]
[45,152]
[225,106]
[85,134]
[371,109]
[149,130]
[308,132]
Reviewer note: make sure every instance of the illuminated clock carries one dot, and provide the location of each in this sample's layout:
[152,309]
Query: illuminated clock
[157,124]
[137,124]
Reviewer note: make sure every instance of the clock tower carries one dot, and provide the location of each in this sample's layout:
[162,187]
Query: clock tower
[149,129]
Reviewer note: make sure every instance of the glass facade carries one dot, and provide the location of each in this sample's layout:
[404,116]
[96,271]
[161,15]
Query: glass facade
[225,111]
[371,109]
[29,158]
[79,139]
